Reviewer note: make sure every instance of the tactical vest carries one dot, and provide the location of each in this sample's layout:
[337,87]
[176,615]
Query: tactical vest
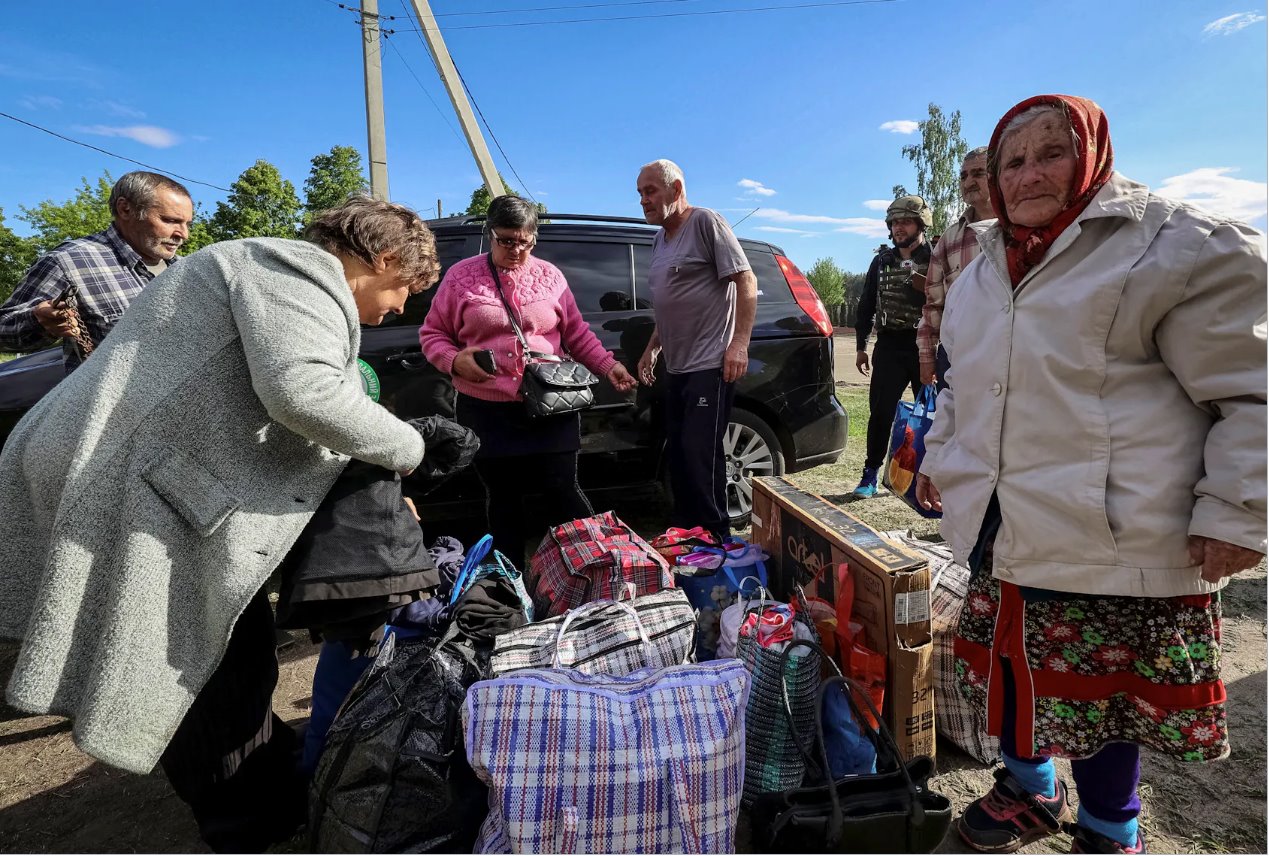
[895,310]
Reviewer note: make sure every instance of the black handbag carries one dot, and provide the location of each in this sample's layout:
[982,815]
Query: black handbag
[552,385]
[891,811]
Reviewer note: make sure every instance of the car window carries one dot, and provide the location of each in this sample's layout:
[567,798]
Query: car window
[772,286]
[598,272]
[448,251]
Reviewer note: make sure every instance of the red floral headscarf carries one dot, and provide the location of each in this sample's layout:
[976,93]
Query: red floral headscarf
[1025,246]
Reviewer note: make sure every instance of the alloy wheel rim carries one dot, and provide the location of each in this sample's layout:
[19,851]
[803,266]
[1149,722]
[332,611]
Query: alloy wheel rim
[747,455]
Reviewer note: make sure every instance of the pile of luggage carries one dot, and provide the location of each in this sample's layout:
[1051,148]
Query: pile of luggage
[603,703]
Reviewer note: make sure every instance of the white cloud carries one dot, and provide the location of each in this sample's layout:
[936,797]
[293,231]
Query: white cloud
[147,135]
[116,108]
[786,231]
[1214,189]
[877,204]
[777,215]
[755,188]
[866,226]
[40,102]
[900,126]
[1231,24]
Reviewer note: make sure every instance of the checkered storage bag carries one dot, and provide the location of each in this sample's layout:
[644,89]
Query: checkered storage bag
[605,637]
[647,763]
[773,761]
[595,558]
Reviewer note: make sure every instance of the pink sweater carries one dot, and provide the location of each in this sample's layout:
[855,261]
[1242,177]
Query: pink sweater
[467,312]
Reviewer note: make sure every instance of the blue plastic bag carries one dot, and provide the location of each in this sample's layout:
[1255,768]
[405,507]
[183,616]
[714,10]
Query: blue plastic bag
[850,753]
[710,594]
[483,561]
[912,421]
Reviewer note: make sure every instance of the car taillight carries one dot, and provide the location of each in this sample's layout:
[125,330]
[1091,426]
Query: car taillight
[804,294]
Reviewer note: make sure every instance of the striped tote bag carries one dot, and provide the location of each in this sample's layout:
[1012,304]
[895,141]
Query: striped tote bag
[652,762]
[605,637]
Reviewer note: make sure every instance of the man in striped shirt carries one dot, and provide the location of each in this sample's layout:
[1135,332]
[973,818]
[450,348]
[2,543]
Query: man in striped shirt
[955,250]
[99,274]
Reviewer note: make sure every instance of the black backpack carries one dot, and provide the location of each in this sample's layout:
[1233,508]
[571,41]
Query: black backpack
[394,776]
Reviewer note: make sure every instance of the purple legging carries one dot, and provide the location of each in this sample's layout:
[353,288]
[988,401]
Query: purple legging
[1106,782]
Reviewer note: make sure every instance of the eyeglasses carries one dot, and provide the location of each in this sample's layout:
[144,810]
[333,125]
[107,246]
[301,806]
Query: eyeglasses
[514,245]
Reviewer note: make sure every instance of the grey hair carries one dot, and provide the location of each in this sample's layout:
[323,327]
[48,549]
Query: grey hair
[140,189]
[363,228]
[1026,117]
[512,212]
[980,152]
[669,171]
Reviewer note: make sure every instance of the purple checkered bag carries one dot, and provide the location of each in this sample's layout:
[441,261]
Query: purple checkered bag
[604,638]
[648,763]
[595,558]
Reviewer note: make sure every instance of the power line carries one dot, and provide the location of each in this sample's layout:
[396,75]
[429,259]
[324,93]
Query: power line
[823,5]
[113,155]
[436,106]
[382,17]
[563,8]
[479,112]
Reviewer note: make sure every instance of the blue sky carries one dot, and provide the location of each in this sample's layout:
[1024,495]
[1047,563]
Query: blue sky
[799,113]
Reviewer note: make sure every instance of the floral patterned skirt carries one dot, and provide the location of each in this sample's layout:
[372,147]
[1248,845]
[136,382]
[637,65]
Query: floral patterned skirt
[1094,670]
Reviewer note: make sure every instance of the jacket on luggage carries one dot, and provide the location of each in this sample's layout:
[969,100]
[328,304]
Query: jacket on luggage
[1115,401]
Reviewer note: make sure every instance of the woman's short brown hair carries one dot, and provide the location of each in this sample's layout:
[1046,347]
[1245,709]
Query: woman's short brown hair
[364,227]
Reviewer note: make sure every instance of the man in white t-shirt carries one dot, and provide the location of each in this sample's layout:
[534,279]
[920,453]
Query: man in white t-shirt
[704,296]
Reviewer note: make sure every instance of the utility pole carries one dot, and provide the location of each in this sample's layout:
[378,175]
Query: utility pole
[458,97]
[376,136]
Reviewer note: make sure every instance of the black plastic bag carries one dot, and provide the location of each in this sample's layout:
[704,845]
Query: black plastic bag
[394,777]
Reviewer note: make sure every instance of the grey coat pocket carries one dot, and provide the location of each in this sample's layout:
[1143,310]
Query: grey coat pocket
[188,487]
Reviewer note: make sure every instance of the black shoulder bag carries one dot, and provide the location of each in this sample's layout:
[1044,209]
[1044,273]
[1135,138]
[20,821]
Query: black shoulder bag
[552,385]
[890,811]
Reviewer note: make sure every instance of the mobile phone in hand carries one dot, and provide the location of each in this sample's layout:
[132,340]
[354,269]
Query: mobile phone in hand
[485,359]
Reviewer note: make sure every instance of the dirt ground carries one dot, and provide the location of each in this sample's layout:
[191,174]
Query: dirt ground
[55,799]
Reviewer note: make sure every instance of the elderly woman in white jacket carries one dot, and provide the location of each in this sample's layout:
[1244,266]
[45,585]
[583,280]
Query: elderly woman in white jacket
[147,498]
[1100,463]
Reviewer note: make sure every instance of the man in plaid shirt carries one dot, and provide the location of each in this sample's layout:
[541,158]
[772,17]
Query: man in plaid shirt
[955,250]
[103,272]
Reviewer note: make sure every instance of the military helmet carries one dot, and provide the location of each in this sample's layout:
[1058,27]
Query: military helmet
[910,206]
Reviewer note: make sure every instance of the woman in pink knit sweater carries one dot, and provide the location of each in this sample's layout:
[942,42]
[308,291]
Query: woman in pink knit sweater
[518,456]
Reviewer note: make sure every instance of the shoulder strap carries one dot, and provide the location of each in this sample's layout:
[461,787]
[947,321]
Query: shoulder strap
[515,326]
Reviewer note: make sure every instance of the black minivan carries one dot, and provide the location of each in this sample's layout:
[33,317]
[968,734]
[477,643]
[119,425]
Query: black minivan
[785,418]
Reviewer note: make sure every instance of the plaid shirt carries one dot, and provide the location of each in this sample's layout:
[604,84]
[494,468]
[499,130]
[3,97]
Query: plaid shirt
[108,274]
[955,250]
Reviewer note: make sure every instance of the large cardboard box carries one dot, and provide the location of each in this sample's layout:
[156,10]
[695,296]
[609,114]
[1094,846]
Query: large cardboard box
[810,540]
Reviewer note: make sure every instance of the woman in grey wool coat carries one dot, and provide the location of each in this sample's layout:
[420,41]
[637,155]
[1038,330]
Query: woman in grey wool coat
[145,501]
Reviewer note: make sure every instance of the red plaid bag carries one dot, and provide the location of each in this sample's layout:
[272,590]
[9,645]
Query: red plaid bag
[596,558]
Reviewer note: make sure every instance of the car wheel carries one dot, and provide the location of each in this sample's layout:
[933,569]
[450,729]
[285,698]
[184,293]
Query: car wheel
[752,449]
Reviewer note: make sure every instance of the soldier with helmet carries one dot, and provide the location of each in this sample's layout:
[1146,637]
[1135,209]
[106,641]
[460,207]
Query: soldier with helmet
[893,296]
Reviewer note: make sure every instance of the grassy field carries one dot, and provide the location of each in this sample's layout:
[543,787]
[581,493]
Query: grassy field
[834,482]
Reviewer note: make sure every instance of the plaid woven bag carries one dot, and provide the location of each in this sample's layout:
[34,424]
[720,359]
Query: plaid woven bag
[648,763]
[773,761]
[604,638]
[595,558]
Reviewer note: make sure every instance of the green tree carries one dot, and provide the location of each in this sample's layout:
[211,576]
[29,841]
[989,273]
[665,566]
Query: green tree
[938,164]
[826,278]
[87,212]
[480,199]
[261,204]
[16,255]
[852,289]
[200,234]
[333,177]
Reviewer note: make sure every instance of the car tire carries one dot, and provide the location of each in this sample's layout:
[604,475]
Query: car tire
[752,449]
